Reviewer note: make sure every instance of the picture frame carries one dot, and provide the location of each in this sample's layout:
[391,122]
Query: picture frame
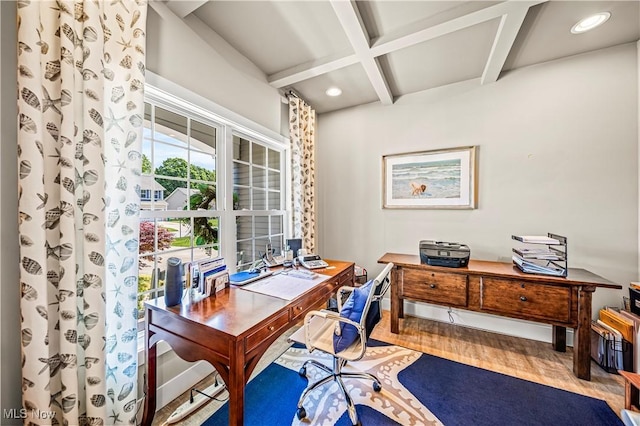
[436,179]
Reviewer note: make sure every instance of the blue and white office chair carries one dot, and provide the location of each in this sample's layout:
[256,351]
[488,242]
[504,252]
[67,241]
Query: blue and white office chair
[344,335]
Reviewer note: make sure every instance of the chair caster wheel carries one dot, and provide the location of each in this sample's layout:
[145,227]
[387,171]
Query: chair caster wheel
[377,387]
[301,413]
[303,372]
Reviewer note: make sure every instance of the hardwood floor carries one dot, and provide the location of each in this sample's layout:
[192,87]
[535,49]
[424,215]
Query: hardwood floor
[513,356]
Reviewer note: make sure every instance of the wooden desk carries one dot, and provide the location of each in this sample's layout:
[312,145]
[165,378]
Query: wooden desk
[231,331]
[502,289]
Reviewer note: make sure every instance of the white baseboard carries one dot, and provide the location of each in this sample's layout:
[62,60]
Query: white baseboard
[182,383]
[494,323]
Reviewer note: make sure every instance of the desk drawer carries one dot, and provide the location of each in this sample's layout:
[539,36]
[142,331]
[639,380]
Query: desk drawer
[267,330]
[525,299]
[346,278]
[436,287]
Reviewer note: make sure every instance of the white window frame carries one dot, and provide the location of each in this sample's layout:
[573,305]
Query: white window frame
[227,125]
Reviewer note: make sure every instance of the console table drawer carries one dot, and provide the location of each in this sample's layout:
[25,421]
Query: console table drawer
[267,330]
[525,299]
[437,287]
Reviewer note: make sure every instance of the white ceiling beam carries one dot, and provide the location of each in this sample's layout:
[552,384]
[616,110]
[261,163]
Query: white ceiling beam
[183,8]
[351,22]
[505,37]
[311,69]
[393,42]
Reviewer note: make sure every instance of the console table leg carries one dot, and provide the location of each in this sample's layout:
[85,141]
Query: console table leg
[582,335]
[559,338]
[396,302]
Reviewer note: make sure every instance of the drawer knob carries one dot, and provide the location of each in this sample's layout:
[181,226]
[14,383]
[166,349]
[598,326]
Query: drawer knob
[523,298]
[432,286]
[299,308]
[271,328]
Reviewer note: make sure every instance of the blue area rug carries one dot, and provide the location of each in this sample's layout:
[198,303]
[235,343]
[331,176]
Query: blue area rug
[417,389]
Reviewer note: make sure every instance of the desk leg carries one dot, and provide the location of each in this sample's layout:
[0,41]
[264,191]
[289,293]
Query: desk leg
[150,385]
[396,302]
[236,384]
[582,335]
[559,342]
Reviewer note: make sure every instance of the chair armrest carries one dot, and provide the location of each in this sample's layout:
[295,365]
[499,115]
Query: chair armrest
[329,320]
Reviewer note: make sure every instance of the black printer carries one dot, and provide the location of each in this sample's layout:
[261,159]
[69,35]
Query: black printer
[440,253]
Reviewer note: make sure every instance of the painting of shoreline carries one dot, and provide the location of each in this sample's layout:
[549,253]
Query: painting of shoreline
[444,178]
[441,178]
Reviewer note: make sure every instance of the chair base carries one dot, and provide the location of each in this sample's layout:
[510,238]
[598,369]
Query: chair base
[335,375]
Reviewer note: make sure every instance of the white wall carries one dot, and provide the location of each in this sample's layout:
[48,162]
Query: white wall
[558,153]
[10,396]
[176,53]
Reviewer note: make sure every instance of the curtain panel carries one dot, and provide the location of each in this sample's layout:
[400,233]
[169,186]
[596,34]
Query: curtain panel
[302,123]
[80,107]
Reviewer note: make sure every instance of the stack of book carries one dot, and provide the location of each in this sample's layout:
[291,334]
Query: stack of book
[543,257]
[208,276]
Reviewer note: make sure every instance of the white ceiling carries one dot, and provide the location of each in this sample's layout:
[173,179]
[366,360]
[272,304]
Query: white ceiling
[377,51]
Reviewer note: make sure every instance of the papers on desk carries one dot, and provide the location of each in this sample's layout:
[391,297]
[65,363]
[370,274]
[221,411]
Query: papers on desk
[535,239]
[284,286]
[535,268]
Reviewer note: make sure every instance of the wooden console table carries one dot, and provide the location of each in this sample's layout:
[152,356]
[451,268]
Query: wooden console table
[501,289]
[231,331]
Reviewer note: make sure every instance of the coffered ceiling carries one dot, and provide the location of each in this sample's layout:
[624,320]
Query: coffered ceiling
[377,51]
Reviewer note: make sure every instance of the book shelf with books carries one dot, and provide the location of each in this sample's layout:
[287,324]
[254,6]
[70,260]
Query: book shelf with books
[546,255]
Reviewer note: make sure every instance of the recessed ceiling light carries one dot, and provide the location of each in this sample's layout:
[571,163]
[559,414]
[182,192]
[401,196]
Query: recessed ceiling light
[333,91]
[590,22]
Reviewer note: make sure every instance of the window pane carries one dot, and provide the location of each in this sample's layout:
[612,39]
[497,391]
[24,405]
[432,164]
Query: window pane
[261,247]
[201,197]
[261,225]
[169,160]
[274,180]
[166,233]
[259,199]
[205,231]
[278,244]
[259,177]
[259,156]
[245,254]
[169,186]
[276,224]
[241,198]
[241,149]
[274,159]
[241,174]
[274,200]
[170,125]
[244,226]
[203,165]
[203,137]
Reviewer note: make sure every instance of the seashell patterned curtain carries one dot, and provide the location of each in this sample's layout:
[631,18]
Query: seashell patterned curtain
[80,105]
[302,124]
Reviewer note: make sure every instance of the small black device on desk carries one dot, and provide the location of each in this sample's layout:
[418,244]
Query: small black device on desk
[441,253]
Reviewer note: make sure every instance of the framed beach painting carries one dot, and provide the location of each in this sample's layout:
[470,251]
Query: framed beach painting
[439,179]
